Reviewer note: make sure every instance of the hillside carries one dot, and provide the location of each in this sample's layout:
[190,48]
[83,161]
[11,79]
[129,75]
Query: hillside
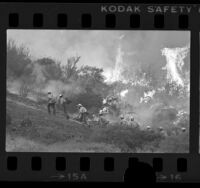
[46,133]
[32,129]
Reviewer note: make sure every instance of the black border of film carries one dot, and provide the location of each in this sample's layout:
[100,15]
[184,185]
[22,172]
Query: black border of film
[23,15]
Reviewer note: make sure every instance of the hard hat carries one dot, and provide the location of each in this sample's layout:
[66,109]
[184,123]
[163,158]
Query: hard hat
[60,95]
[160,128]
[49,91]
[183,128]
[122,116]
[148,127]
[79,105]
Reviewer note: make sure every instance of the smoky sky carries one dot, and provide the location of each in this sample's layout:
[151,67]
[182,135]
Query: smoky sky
[99,47]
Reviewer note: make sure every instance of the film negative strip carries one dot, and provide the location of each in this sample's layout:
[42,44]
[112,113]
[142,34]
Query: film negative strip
[99,92]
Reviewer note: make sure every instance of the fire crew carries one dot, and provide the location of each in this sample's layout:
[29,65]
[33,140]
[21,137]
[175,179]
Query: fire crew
[162,131]
[183,129]
[82,113]
[51,103]
[64,101]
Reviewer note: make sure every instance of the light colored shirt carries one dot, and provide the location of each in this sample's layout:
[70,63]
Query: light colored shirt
[51,98]
[82,109]
[62,100]
[50,95]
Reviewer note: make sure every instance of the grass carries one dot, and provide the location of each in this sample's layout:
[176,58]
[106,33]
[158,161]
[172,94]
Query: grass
[56,134]
[48,133]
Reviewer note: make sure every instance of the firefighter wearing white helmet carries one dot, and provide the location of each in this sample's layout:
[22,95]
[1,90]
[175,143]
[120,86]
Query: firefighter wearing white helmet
[162,131]
[100,112]
[183,129]
[105,110]
[51,103]
[82,113]
[101,119]
[63,101]
[122,120]
[133,123]
[148,128]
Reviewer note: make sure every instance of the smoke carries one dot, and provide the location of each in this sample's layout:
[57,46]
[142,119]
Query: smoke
[114,51]
[58,87]
[13,86]
[134,58]
[38,73]
[142,97]
[147,96]
[175,63]
[62,44]
[123,93]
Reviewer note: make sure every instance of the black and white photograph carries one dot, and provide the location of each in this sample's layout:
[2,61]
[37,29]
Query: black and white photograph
[98,91]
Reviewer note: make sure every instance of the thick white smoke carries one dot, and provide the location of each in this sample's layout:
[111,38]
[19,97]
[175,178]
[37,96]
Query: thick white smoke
[175,61]
[38,73]
[58,87]
[123,93]
[13,86]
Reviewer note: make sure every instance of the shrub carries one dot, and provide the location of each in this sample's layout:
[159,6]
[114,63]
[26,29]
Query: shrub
[18,60]
[175,144]
[128,139]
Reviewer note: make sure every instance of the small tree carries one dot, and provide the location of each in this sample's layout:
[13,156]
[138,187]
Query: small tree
[17,60]
[70,69]
[51,69]
[25,87]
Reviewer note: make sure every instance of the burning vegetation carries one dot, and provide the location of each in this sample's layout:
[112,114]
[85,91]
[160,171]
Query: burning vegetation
[146,110]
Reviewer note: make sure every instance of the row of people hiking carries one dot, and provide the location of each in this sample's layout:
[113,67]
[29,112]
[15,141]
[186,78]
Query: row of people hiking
[82,111]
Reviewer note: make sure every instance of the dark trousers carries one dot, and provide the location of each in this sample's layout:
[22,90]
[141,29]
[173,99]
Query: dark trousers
[51,106]
[83,117]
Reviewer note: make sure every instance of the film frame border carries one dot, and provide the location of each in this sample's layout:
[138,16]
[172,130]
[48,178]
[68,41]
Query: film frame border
[49,12]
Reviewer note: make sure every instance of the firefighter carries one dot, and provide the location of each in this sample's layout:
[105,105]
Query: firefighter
[102,120]
[148,128]
[64,101]
[105,110]
[101,117]
[162,131]
[51,103]
[133,123]
[183,129]
[175,130]
[122,120]
[95,118]
[110,100]
[82,113]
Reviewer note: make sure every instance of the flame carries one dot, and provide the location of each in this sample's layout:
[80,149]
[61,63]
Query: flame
[104,101]
[123,93]
[174,58]
[116,74]
[147,96]
[140,81]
